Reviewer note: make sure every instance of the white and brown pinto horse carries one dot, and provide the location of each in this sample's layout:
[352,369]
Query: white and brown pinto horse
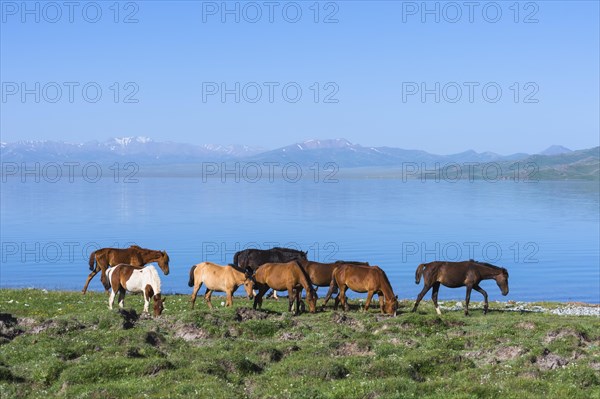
[130,278]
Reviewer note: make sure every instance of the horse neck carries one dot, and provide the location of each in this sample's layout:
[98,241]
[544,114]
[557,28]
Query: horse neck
[152,255]
[386,288]
[488,273]
[238,276]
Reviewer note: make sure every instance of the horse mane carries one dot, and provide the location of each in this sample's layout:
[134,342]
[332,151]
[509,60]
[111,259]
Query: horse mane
[489,265]
[281,249]
[385,277]
[135,246]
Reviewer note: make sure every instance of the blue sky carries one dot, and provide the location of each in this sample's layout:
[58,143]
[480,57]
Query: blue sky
[369,63]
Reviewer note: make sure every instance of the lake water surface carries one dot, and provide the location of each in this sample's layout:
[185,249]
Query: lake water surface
[546,233]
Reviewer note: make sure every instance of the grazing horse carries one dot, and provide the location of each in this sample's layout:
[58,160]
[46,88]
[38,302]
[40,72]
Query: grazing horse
[369,279]
[254,258]
[459,274]
[288,276]
[130,278]
[321,273]
[134,255]
[218,278]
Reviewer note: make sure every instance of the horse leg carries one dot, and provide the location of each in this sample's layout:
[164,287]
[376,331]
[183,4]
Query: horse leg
[485,297]
[467,299]
[434,297]
[121,297]
[87,282]
[368,302]
[380,297]
[195,292]
[207,296]
[344,299]
[146,302]
[420,296]
[229,300]
[331,291]
[258,297]
[111,299]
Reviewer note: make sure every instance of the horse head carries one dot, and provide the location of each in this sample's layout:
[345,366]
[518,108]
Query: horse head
[158,304]
[249,282]
[311,297]
[163,262]
[502,281]
[391,306]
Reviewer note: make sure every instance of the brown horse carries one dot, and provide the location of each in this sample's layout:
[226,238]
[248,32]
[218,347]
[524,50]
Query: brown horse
[320,274]
[369,279]
[459,274]
[288,276]
[218,278]
[124,277]
[134,255]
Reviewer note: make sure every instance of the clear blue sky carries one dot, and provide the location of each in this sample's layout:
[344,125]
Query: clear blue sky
[374,54]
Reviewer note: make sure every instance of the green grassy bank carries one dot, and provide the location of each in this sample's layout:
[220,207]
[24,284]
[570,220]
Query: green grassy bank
[64,344]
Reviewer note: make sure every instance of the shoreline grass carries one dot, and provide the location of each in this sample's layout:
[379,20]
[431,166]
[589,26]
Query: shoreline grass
[64,344]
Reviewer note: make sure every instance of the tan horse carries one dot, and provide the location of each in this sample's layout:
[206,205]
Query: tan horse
[288,276]
[459,274]
[370,279]
[218,278]
[134,255]
[124,277]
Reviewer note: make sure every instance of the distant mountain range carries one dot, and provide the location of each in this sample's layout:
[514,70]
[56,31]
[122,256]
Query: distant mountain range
[556,162]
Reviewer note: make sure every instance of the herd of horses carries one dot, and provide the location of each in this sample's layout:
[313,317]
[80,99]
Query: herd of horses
[282,269]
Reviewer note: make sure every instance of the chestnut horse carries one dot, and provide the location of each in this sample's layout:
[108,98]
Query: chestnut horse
[288,276]
[320,274]
[130,278]
[459,274]
[253,258]
[369,279]
[134,255]
[218,278]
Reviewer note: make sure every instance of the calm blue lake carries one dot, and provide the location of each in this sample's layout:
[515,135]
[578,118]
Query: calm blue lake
[546,234]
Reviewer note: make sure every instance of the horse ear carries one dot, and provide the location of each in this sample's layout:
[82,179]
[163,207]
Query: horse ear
[396,297]
[248,271]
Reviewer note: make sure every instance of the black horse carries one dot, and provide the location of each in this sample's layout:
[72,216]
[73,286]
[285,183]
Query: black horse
[254,258]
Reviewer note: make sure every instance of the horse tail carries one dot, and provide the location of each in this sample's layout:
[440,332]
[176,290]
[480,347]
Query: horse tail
[419,273]
[92,260]
[191,281]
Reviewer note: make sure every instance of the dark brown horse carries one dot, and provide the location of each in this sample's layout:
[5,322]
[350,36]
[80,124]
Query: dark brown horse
[321,273]
[459,274]
[288,276]
[134,255]
[369,279]
[254,258]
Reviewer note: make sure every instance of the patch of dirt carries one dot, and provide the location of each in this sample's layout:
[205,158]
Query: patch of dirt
[243,314]
[565,333]
[189,332]
[549,361]
[271,355]
[351,349]
[595,365]
[526,325]
[509,353]
[290,336]
[342,318]
[9,327]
